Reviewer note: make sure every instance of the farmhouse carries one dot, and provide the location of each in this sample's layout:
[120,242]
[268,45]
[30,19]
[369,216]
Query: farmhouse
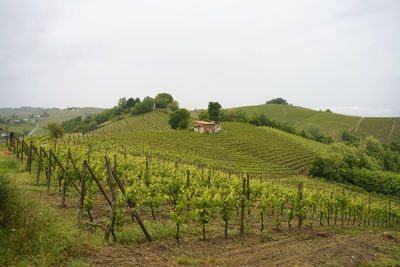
[206,127]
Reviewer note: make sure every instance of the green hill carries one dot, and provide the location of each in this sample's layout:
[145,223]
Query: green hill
[331,124]
[60,115]
[239,147]
[156,120]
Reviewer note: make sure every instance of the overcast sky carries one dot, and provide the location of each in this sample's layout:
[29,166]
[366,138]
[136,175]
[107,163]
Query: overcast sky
[342,55]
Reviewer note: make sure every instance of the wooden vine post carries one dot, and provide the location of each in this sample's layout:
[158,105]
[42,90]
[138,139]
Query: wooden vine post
[29,160]
[299,199]
[49,172]
[65,179]
[110,225]
[132,207]
[39,165]
[248,195]
[22,150]
[82,194]
[242,207]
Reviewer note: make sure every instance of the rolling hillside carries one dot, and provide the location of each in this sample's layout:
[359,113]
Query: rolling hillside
[156,120]
[331,124]
[60,115]
[239,147]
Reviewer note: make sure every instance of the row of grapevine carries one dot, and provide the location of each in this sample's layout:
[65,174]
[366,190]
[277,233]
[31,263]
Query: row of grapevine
[197,195]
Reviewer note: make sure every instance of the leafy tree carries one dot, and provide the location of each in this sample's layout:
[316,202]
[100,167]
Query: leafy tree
[130,103]
[122,102]
[145,106]
[278,100]
[55,129]
[174,105]
[179,119]
[163,99]
[203,116]
[214,110]
[349,137]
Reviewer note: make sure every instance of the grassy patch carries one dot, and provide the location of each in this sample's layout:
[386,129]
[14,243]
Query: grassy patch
[32,233]
[267,236]
[185,260]
[132,234]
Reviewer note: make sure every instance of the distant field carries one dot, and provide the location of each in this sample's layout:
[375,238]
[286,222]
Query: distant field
[239,147]
[20,112]
[330,124]
[281,113]
[19,129]
[380,128]
[156,120]
[60,115]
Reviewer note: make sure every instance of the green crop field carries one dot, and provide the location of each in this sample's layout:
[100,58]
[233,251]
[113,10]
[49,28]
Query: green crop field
[281,113]
[330,124]
[380,128]
[60,115]
[238,147]
[156,120]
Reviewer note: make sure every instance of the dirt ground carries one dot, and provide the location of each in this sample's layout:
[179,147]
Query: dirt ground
[5,152]
[318,249]
[310,246]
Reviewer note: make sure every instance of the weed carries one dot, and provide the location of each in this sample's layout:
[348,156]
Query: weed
[267,237]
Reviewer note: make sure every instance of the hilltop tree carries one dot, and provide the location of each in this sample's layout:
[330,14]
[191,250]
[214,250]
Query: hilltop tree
[203,116]
[278,100]
[174,105]
[214,109]
[179,119]
[55,129]
[145,106]
[162,100]
[130,103]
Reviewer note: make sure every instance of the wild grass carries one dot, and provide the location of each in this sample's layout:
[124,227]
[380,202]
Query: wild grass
[33,233]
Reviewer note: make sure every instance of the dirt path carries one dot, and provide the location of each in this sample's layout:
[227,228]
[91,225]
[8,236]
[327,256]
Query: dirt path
[358,125]
[392,130]
[305,248]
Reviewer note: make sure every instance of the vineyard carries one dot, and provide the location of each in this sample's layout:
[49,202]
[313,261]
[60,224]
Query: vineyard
[130,185]
[330,124]
[245,148]
[156,120]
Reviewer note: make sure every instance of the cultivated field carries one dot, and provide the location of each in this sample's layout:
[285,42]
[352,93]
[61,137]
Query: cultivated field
[330,124]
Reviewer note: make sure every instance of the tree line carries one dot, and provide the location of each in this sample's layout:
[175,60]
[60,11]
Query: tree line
[367,163]
[133,106]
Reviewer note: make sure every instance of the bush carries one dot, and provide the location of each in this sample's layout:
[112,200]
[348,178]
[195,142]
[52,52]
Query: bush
[179,119]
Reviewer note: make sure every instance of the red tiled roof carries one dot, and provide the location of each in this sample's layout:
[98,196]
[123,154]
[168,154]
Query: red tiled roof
[204,122]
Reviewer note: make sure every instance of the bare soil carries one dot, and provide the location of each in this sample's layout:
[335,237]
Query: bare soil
[5,152]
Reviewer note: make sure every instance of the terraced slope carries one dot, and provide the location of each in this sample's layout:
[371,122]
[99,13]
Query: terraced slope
[384,129]
[156,120]
[239,147]
[330,124]
[289,114]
